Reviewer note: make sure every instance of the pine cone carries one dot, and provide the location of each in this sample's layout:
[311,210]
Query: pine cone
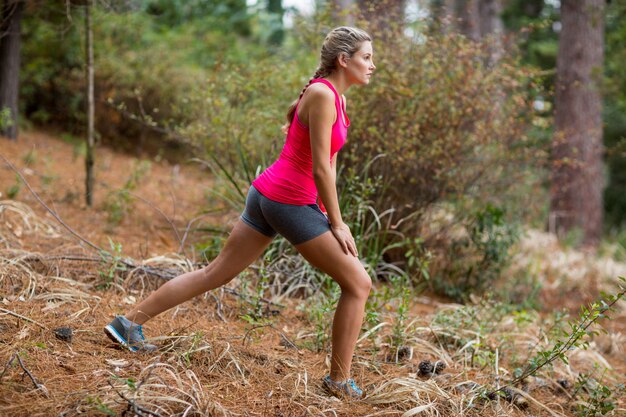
[425,368]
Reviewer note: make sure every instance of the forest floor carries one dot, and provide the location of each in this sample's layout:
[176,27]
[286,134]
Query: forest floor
[212,360]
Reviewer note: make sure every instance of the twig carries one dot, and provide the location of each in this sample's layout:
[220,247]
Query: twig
[182,242]
[132,407]
[8,365]
[158,210]
[218,307]
[12,313]
[52,212]
[587,320]
[264,300]
[32,378]
[260,326]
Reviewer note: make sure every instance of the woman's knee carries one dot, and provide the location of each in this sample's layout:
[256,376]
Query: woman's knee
[360,285]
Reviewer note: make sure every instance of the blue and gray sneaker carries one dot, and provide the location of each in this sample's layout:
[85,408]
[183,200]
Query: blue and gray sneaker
[345,389]
[128,334]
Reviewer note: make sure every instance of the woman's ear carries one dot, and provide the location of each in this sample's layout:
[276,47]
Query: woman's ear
[342,59]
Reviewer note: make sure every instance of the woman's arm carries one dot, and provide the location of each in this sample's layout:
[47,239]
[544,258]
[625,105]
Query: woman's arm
[321,118]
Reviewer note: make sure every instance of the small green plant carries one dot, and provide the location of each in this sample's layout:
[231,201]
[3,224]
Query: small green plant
[403,294]
[111,263]
[6,120]
[14,189]
[100,406]
[131,383]
[577,336]
[196,339]
[600,399]
[30,157]
[258,296]
[119,203]
[319,312]
[475,261]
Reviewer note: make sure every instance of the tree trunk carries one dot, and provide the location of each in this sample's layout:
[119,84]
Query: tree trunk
[385,17]
[275,8]
[468,18]
[491,25]
[10,17]
[342,12]
[89,158]
[577,181]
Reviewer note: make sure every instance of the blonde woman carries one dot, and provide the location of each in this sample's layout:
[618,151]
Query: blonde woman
[283,199]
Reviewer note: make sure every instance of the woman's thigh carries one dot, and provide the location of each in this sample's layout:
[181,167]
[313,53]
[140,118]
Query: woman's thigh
[325,253]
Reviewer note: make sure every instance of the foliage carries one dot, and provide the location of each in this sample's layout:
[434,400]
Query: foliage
[473,262]
[600,400]
[450,126]
[614,115]
[112,263]
[577,336]
[237,112]
[319,312]
[119,202]
[374,231]
[15,188]
[6,120]
[137,47]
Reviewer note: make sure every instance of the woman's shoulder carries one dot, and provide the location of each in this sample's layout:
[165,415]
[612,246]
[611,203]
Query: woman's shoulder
[320,91]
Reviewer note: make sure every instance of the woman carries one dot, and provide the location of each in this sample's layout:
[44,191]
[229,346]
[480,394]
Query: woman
[283,200]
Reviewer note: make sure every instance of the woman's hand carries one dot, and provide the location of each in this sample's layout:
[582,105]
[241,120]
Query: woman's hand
[344,237]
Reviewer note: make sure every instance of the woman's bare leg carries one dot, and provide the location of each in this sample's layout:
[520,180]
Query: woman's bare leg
[243,246]
[325,253]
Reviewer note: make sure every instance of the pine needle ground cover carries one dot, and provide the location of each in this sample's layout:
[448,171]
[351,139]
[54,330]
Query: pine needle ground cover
[241,351]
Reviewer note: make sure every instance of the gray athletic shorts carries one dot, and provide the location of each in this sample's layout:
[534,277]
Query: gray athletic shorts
[296,223]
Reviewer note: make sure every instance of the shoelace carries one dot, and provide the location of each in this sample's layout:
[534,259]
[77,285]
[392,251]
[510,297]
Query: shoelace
[348,386]
[141,332]
[352,384]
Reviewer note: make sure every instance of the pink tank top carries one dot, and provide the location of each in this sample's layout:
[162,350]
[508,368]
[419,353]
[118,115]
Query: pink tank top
[289,180]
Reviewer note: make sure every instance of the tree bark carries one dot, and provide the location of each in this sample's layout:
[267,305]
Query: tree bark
[342,13]
[10,44]
[468,18]
[385,17]
[491,25]
[577,180]
[89,157]
[275,7]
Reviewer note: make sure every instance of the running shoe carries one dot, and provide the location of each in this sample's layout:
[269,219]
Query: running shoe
[345,389]
[128,334]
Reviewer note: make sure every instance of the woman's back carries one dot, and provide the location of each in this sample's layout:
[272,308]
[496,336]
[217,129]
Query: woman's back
[290,179]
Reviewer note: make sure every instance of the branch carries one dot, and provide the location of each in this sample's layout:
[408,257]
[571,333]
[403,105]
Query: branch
[32,378]
[132,407]
[158,210]
[14,314]
[578,331]
[52,212]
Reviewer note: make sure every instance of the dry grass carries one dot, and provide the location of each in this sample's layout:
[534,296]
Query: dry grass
[209,367]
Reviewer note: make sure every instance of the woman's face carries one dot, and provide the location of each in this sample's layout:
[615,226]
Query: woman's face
[360,66]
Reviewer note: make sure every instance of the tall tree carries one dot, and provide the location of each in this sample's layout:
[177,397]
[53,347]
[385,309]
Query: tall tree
[10,19]
[89,157]
[577,180]
[342,12]
[275,8]
[385,17]
[491,25]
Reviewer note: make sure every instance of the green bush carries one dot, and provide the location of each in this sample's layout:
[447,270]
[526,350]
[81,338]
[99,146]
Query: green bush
[472,263]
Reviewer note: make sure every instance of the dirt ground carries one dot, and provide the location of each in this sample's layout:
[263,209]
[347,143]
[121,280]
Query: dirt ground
[210,361]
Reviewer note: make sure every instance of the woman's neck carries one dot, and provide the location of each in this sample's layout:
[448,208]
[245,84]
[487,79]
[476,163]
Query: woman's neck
[339,81]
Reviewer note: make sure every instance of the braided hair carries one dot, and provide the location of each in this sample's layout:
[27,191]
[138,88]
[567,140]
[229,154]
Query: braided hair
[341,40]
